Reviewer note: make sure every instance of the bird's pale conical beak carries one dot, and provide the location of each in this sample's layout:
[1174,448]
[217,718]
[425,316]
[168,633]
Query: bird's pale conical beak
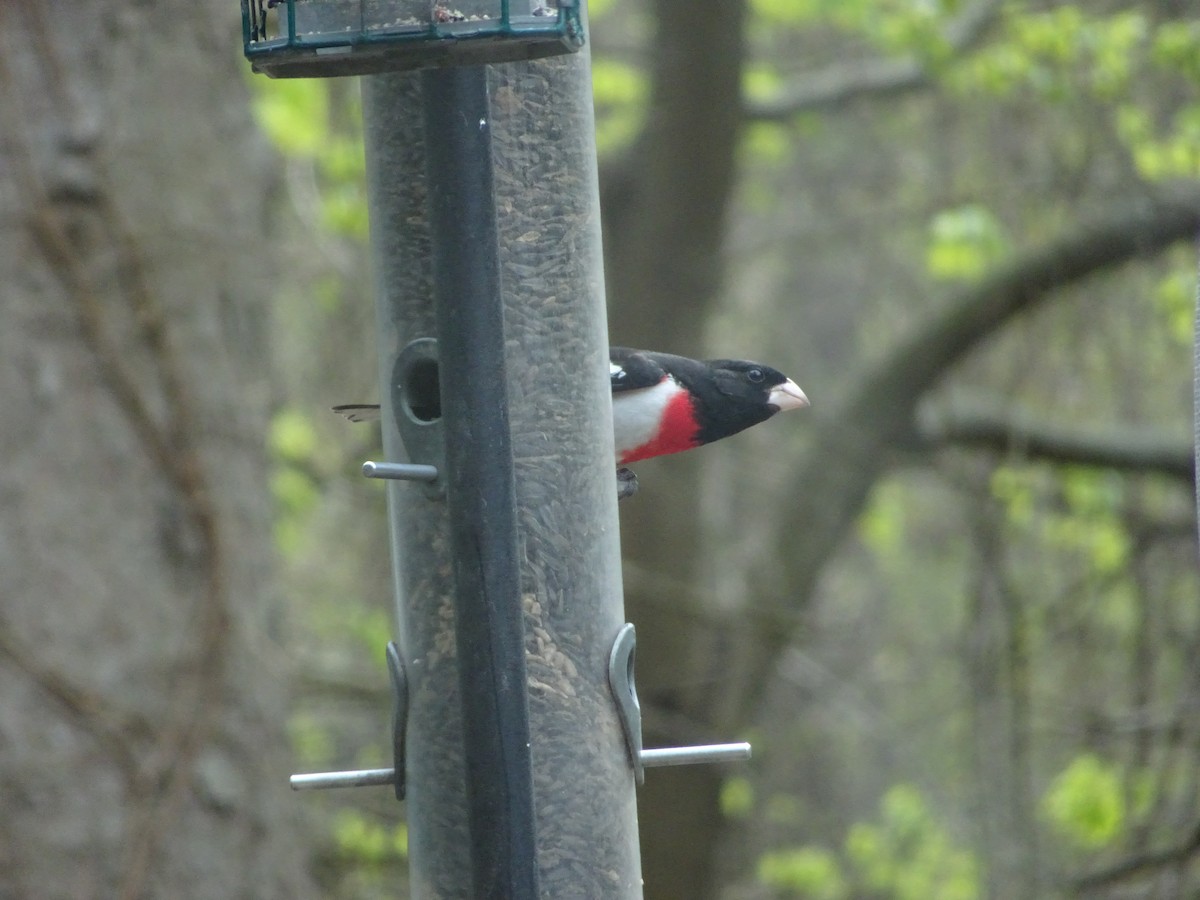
[787,396]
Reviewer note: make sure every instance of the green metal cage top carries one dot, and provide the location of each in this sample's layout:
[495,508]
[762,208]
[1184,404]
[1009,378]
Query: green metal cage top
[321,38]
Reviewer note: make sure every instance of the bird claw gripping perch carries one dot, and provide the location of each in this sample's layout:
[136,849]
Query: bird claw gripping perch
[627,483]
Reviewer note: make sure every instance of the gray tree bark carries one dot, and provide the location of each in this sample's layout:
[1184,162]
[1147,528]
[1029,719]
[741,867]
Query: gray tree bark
[141,684]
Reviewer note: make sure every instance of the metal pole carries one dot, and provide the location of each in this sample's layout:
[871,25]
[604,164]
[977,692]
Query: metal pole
[480,487]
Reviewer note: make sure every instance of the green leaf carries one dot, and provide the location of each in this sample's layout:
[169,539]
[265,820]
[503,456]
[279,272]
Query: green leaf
[788,12]
[867,848]
[965,242]
[367,841]
[766,142]
[311,739]
[619,93]
[598,8]
[1174,301]
[294,491]
[810,872]
[1176,47]
[908,854]
[881,525]
[292,437]
[761,82]
[737,797]
[1016,488]
[1085,803]
[294,112]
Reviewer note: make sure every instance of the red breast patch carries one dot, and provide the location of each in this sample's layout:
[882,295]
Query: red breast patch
[676,433]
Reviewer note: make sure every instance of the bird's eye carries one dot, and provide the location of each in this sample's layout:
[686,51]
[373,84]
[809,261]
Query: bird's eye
[755,375]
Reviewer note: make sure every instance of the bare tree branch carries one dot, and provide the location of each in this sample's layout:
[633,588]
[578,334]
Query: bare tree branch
[1141,864]
[1014,431]
[871,78]
[857,441]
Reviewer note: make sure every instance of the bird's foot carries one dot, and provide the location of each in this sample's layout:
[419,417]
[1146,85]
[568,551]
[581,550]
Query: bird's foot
[627,483]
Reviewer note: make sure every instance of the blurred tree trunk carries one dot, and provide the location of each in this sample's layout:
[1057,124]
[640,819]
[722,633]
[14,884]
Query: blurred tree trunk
[665,215]
[141,689]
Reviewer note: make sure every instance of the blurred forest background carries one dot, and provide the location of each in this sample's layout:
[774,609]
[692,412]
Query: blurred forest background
[954,605]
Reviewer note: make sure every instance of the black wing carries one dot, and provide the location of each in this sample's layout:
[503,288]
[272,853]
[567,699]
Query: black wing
[632,370]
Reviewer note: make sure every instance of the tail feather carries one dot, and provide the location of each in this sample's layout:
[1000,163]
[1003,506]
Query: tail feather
[358,412]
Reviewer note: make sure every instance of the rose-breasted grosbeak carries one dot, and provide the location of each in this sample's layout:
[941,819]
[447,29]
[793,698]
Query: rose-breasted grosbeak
[666,404]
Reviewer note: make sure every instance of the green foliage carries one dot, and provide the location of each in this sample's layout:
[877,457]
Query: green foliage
[881,525]
[292,444]
[1017,488]
[367,842]
[1121,63]
[1174,301]
[905,855]
[598,8]
[1176,48]
[789,12]
[964,243]
[1172,154]
[1143,790]
[764,146]
[909,855]
[296,114]
[619,95]
[1085,804]
[737,797]
[903,26]
[782,809]
[293,438]
[295,497]
[914,28]
[760,82]
[368,628]
[1175,51]
[1115,54]
[810,872]
[327,293]
[310,740]
[766,143]
[1092,525]
[1077,510]
[1058,55]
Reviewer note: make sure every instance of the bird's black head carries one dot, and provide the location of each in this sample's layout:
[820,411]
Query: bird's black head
[739,393]
[754,383]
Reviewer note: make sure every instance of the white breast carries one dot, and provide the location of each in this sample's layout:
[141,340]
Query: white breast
[637,414]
